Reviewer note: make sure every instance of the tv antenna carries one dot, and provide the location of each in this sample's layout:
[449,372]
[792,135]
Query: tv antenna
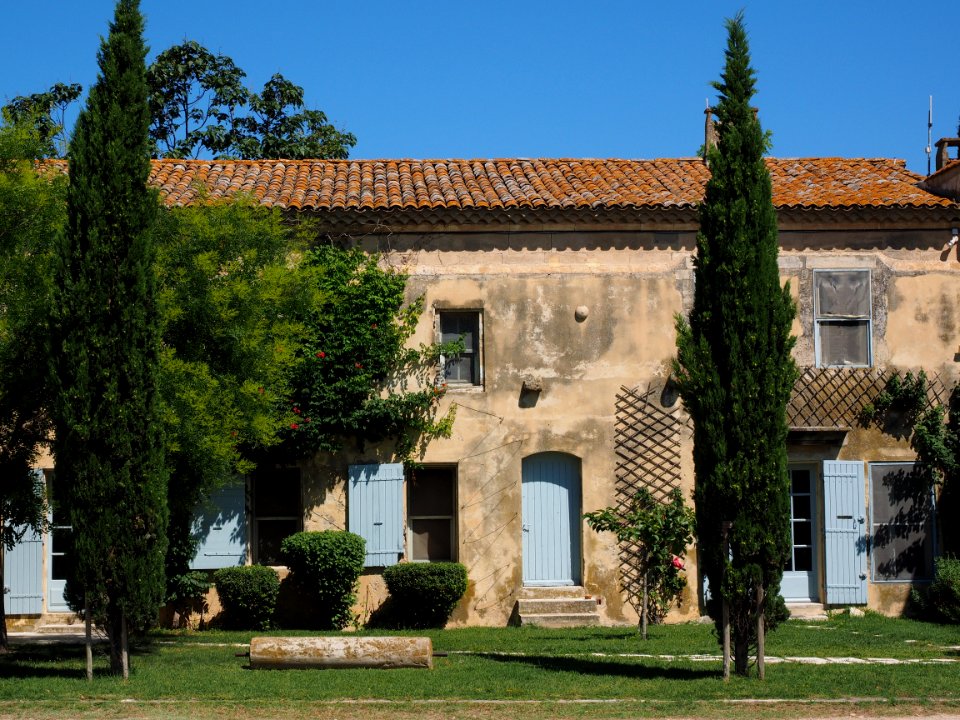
[929,132]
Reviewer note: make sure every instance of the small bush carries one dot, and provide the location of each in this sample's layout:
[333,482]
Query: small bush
[326,566]
[941,601]
[424,594]
[248,595]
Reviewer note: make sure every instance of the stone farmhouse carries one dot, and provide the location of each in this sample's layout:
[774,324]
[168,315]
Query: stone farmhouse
[564,277]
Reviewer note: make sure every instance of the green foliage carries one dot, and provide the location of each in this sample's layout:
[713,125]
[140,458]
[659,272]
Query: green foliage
[229,290]
[423,595]
[661,533]
[326,566]
[355,366]
[940,601]
[905,396]
[248,596]
[45,112]
[105,350]
[734,368]
[187,592]
[199,104]
[32,213]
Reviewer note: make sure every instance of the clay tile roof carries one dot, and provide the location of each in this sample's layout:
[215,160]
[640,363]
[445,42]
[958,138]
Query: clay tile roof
[806,183]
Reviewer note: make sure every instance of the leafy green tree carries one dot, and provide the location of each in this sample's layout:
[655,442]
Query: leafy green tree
[31,215]
[279,126]
[735,371]
[230,290]
[105,351]
[46,111]
[199,104]
[194,95]
[660,532]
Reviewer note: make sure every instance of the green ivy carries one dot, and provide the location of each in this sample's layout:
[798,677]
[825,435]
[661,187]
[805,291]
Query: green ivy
[356,376]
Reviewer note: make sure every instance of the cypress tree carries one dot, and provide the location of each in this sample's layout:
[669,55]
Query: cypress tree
[105,351]
[735,371]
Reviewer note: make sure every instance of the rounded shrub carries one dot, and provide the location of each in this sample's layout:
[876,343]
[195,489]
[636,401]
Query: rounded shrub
[424,594]
[326,566]
[248,595]
[941,600]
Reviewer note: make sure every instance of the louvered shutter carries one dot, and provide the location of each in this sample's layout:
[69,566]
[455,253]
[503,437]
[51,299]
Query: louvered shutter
[375,503]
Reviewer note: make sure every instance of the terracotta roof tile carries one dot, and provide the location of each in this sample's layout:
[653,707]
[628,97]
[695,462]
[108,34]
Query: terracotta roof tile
[835,183]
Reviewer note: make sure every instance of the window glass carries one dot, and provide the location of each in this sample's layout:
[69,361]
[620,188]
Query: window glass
[431,509]
[278,511]
[842,317]
[902,532]
[465,367]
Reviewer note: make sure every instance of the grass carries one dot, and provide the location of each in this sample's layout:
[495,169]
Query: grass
[577,673]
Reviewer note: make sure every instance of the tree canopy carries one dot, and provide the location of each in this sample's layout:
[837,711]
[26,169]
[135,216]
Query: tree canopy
[199,105]
[735,370]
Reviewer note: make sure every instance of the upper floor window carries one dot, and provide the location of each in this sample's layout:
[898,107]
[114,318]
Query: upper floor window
[464,368]
[842,317]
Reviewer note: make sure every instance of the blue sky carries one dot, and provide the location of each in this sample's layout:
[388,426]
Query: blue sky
[487,78]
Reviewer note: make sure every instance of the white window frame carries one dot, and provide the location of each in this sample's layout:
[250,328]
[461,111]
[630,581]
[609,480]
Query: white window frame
[874,524]
[452,517]
[460,385]
[819,322]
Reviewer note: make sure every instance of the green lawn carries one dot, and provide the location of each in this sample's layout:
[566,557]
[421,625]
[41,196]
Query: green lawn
[198,675]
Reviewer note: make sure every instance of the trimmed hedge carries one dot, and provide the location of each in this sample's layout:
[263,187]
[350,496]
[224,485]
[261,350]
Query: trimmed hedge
[424,594]
[248,595]
[326,565]
[941,600]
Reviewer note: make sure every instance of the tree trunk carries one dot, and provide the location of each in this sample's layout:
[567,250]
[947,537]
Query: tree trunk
[741,653]
[643,609]
[4,640]
[760,635]
[124,647]
[88,633]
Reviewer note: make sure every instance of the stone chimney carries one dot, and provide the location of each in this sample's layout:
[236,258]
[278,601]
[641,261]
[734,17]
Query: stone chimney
[709,132]
[943,152]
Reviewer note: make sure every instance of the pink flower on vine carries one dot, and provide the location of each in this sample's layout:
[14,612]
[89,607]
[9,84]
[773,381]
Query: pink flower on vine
[321,354]
[357,365]
[677,562]
[296,410]
[294,426]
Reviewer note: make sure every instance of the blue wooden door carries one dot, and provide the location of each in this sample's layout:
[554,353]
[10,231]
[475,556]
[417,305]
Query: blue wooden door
[23,576]
[845,540]
[551,519]
[375,505]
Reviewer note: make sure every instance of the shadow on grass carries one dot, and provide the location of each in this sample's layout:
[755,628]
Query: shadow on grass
[582,666]
[58,659]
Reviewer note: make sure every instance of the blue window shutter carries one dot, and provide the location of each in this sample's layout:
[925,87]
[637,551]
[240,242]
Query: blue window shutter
[845,530]
[23,576]
[221,527]
[375,501]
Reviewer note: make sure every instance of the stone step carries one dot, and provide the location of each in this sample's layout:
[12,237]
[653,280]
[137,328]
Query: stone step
[561,620]
[558,591]
[807,611]
[60,629]
[556,606]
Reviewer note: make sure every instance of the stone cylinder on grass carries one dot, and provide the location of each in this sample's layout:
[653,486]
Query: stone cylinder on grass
[340,652]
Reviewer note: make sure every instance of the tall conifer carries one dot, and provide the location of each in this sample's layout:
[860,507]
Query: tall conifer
[105,350]
[735,370]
